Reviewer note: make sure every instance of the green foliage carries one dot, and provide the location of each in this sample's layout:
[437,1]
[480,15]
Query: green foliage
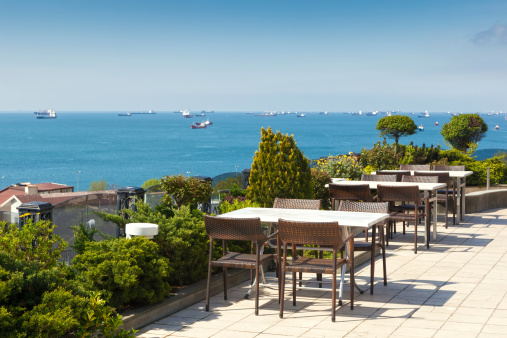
[152,182]
[119,220]
[102,185]
[34,242]
[181,238]
[320,179]
[279,169]
[380,157]
[226,206]
[127,272]
[420,155]
[343,166]
[396,126]
[464,131]
[83,235]
[229,183]
[185,190]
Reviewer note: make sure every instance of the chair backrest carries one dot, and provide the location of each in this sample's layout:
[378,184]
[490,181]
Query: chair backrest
[409,193]
[415,166]
[242,229]
[378,207]
[399,174]
[449,167]
[316,233]
[382,178]
[421,179]
[360,192]
[289,203]
[442,177]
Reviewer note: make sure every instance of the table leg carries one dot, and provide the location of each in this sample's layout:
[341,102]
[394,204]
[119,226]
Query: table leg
[458,200]
[435,206]
[463,209]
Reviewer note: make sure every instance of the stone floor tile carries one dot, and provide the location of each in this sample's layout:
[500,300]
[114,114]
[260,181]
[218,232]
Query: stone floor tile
[284,330]
[411,332]
[191,331]
[453,334]
[244,326]
[318,333]
[462,327]
[234,334]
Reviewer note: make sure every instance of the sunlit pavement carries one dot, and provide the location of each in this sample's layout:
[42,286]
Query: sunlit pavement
[457,288]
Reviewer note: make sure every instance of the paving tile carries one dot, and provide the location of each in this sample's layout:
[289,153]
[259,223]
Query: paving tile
[191,331]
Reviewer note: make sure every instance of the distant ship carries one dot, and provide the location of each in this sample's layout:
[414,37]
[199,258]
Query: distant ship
[497,127]
[127,114]
[267,114]
[436,123]
[425,114]
[186,114]
[198,125]
[421,128]
[45,114]
[145,112]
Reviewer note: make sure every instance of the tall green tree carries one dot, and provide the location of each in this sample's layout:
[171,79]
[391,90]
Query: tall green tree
[464,131]
[279,169]
[396,126]
[185,190]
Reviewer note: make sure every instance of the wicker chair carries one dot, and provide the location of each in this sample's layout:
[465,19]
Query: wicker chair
[373,243]
[449,167]
[399,174]
[404,194]
[444,195]
[360,192]
[287,203]
[315,233]
[379,178]
[242,229]
[415,166]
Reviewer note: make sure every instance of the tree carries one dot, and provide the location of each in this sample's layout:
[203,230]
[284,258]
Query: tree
[151,183]
[279,169]
[102,185]
[396,126]
[185,190]
[464,131]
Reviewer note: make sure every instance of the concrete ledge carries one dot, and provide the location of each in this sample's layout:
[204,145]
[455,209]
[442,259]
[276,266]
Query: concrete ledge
[485,199]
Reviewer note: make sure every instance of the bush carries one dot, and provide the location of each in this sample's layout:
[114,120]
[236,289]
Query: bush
[381,156]
[344,166]
[236,204]
[279,169]
[185,190]
[127,272]
[320,179]
[420,155]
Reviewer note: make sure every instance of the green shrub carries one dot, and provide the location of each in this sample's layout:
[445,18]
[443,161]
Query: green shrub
[381,156]
[420,155]
[320,179]
[343,166]
[126,271]
[226,206]
[279,169]
[185,190]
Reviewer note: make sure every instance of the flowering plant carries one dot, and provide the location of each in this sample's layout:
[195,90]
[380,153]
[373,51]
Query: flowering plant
[344,166]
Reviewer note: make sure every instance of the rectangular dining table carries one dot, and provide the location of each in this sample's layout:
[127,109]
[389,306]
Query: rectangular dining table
[431,188]
[351,223]
[461,179]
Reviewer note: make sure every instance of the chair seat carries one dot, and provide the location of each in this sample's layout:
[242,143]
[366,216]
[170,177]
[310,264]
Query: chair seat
[363,246]
[408,207]
[401,216]
[314,265]
[240,261]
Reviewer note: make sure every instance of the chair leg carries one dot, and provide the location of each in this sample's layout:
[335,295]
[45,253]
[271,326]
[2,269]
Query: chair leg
[225,283]
[415,237]
[372,258]
[257,289]
[208,287]
[294,289]
[333,295]
[282,290]
[383,247]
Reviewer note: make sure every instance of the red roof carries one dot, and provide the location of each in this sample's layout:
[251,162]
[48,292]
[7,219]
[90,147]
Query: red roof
[8,192]
[52,186]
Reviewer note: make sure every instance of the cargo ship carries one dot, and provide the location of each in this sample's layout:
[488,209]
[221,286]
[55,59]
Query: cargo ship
[45,114]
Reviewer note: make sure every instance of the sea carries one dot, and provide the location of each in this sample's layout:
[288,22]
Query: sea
[78,148]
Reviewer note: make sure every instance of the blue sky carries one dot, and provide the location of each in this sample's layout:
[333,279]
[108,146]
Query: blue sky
[254,55]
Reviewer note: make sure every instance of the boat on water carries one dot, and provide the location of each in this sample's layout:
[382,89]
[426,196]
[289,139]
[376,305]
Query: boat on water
[436,123]
[497,127]
[149,112]
[127,114]
[208,122]
[198,125]
[421,128]
[323,113]
[267,114]
[301,115]
[186,114]
[425,114]
[45,114]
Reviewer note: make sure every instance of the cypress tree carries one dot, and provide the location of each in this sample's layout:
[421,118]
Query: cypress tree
[279,169]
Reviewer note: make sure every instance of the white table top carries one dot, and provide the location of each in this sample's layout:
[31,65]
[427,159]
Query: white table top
[345,218]
[453,174]
[373,184]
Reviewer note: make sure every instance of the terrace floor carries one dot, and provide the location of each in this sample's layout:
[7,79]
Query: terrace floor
[456,288]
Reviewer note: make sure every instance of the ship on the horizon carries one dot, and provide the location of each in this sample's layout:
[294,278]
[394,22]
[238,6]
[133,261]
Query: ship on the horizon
[45,114]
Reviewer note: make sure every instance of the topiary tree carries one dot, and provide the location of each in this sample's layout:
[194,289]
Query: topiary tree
[396,126]
[464,131]
[279,169]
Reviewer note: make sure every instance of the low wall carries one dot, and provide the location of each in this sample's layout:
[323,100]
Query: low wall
[485,199]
